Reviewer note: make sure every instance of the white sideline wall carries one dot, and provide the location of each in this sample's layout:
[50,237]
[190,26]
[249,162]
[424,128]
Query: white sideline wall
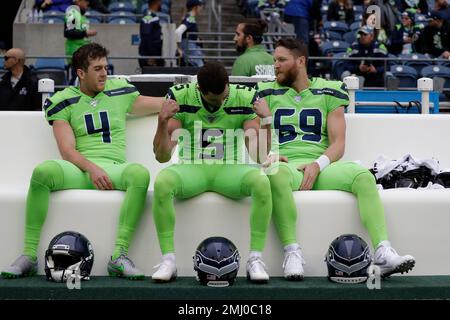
[417,221]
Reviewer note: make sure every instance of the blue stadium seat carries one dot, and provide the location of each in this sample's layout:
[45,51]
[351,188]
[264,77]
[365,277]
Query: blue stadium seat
[358,9]
[53,13]
[349,37]
[53,68]
[121,15]
[94,19]
[2,62]
[95,15]
[333,47]
[355,25]
[437,71]
[120,20]
[339,65]
[122,6]
[50,63]
[336,26]
[332,35]
[418,65]
[407,75]
[53,20]
[358,17]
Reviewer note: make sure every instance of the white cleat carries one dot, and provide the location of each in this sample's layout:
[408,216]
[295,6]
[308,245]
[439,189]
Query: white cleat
[293,265]
[256,270]
[167,271]
[390,262]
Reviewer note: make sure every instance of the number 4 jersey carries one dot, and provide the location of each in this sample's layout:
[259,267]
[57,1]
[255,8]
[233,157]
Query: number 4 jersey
[212,137]
[300,118]
[98,122]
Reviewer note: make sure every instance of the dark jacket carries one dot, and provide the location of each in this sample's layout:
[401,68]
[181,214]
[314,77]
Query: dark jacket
[24,96]
[337,12]
[435,41]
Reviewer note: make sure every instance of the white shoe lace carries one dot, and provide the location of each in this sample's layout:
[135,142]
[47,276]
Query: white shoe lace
[386,253]
[164,267]
[256,265]
[296,254]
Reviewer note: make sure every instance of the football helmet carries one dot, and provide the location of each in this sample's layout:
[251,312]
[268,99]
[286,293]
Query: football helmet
[216,262]
[348,259]
[69,253]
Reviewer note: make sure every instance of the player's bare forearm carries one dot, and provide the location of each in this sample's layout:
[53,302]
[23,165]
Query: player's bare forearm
[336,134]
[144,105]
[162,143]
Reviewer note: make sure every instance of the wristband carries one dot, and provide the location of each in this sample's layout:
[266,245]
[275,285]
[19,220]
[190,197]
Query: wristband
[323,161]
[265,121]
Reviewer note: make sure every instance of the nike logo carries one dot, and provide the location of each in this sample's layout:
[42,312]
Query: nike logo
[121,268]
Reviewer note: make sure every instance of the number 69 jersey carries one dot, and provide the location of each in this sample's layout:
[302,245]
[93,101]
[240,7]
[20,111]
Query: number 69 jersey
[98,122]
[300,118]
[212,137]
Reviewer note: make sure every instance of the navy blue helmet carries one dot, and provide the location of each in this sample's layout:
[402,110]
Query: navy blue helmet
[216,262]
[69,253]
[348,259]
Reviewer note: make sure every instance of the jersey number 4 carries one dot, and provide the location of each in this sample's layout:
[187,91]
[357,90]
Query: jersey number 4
[312,131]
[104,129]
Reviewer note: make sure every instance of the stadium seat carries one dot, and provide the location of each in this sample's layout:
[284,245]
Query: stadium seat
[54,13]
[332,47]
[94,19]
[121,15]
[418,65]
[119,20]
[121,6]
[336,26]
[332,35]
[355,25]
[437,71]
[53,68]
[2,62]
[53,20]
[407,75]
[338,65]
[349,36]
[93,14]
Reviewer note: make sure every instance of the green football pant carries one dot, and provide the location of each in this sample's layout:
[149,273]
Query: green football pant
[340,175]
[54,175]
[233,181]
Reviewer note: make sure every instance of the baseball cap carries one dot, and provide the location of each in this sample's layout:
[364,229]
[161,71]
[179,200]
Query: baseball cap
[193,3]
[408,14]
[366,30]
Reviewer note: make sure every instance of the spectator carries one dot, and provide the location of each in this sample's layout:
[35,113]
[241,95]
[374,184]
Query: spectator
[150,33]
[443,7]
[405,35]
[435,39]
[415,6]
[76,31]
[366,47]
[254,59]
[57,5]
[189,45]
[297,12]
[19,86]
[341,10]
[273,5]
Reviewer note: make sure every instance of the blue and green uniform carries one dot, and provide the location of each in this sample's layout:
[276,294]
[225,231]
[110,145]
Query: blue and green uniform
[211,160]
[300,123]
[98,124]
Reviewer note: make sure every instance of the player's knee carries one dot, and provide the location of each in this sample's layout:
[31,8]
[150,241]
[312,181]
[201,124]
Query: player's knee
[260,187]
[49,173]
[136,175]
[165,184]
[280,178]
[364,182]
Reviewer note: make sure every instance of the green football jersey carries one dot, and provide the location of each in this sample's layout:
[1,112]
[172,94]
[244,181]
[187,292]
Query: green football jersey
[300,119]
[212,137]
[98,123]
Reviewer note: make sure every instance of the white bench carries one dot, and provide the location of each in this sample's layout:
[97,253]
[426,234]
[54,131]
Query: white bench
[418,221]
